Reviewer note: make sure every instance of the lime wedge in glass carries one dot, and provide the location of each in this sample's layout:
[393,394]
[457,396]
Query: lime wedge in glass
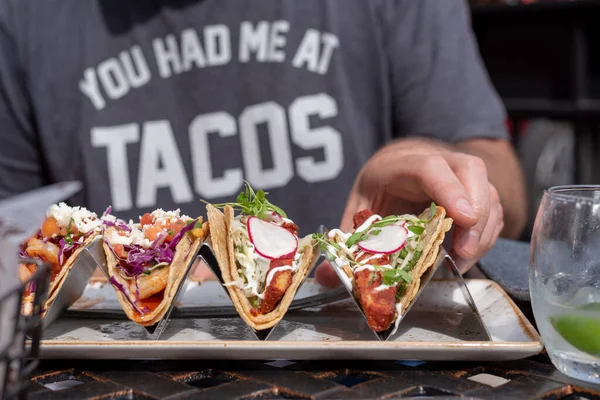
[582,332]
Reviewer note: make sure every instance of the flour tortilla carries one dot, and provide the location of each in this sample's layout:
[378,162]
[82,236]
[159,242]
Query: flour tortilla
[56,284]
[184,254]
[222,244]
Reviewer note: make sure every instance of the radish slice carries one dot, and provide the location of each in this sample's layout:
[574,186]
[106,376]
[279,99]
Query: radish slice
[271,241]
[390,240]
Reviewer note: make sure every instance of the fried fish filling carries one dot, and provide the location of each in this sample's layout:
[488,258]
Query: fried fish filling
[280,282]
[378,303]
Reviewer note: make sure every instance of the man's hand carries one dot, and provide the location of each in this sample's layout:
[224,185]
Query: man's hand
[406,175]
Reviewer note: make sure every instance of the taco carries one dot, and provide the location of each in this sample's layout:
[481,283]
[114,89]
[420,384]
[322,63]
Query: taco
[382,261]
[65,232]
[261,258]
[147,261]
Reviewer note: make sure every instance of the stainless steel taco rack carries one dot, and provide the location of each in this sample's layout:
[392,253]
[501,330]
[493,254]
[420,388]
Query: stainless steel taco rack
[209,258]
[95,256]
[75,281]
[453,269]
[203,253]
[211,261]
[206,254]
[468,310]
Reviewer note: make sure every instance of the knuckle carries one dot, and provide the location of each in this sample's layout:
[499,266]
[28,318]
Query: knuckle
[474,163]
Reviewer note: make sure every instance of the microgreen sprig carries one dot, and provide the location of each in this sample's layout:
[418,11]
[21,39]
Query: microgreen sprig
[324,243]
[253,203]
[416,229]
[69,235]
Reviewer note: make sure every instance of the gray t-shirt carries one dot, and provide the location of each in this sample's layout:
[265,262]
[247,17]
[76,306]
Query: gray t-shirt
[162,103]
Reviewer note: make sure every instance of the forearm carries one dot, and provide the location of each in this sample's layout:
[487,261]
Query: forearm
[505,173]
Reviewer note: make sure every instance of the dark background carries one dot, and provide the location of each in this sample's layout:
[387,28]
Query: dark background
[543,59]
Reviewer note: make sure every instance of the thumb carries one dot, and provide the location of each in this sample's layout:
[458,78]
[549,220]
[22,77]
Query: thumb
[201,273]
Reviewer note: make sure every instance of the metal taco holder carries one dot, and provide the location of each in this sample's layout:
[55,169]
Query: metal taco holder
[209,258]
[443,258]
[204,253]
[215,311]
[74,283]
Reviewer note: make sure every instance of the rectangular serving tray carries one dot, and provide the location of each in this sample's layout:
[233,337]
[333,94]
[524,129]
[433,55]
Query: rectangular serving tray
[436,328]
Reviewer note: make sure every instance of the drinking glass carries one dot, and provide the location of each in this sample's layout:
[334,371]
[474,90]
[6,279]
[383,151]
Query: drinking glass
[564,278]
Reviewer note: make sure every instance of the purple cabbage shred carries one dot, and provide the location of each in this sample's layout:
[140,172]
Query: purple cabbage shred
[140,259]
[121,288]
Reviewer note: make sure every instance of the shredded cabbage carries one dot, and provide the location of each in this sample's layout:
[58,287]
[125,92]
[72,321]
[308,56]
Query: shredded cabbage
[63,247]
[182,232]
[140,259]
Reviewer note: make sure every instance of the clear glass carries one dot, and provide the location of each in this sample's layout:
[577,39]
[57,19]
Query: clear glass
[564,278]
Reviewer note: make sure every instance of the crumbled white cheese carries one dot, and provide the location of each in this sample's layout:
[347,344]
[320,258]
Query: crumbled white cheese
[168,216]
[109,218]
[135,237]
[115,238]
[84,220]
[138,237]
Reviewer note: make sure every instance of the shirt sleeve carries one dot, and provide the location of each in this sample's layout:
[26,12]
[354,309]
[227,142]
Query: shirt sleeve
[440,88]
[20,161]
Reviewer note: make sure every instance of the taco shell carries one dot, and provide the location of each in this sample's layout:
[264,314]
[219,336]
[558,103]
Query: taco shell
[223,247]
[433,237]
[56,284]
[184,254]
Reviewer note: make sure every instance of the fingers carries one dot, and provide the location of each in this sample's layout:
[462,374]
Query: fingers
[326,276]
[490,234]
[419,177]
[422,177]
[472,174]
[441,184]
